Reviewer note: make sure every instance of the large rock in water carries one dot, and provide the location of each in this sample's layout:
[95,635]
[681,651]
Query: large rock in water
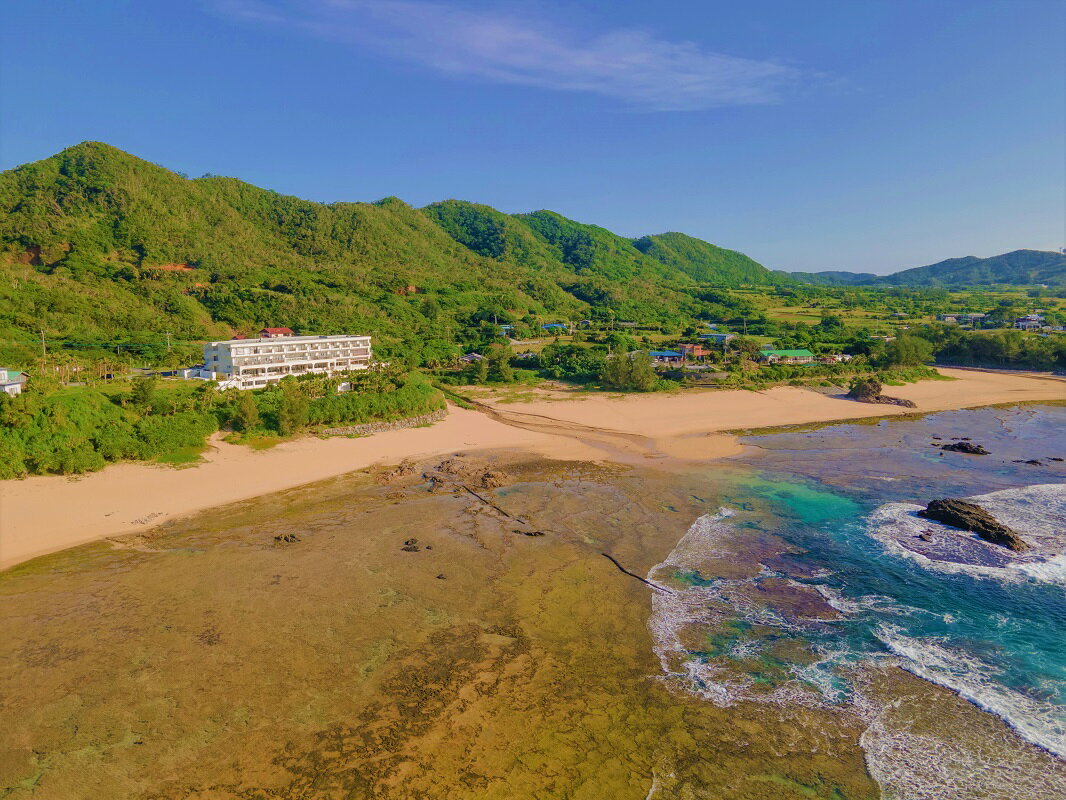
[965,447]
[970,517]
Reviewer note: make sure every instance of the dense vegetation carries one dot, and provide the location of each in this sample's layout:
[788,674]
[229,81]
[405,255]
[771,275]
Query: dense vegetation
[109,262]
[703,261]
[80,430]
[102,252]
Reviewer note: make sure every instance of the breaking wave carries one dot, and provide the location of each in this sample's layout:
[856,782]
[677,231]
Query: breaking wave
[1038,513]
[1041,722]
[890,623]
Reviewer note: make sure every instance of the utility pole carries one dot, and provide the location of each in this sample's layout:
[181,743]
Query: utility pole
[44,347]
[168,341]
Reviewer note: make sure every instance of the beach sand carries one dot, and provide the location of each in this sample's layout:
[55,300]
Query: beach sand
[41,515]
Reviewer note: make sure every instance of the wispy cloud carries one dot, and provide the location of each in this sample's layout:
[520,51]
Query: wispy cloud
[633,66]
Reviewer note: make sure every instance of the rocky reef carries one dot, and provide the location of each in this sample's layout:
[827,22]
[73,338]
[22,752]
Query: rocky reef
[970,517]
[965,447]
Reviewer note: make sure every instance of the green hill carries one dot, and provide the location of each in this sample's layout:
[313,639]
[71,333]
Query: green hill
[100,247]
[831,278]
[1019,268]
[705,262]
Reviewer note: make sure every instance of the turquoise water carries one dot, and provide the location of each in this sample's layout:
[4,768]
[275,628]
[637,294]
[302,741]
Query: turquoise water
[844,580]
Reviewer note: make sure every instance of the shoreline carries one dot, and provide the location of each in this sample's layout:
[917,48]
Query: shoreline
[45,514]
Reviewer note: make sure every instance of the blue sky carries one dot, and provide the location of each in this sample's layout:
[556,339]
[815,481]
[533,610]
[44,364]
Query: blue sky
[854,134]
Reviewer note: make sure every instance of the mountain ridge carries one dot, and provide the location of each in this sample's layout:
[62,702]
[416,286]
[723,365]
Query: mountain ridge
[83,234]
[1017,267]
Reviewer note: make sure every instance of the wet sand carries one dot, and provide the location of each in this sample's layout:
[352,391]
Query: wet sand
[44,514]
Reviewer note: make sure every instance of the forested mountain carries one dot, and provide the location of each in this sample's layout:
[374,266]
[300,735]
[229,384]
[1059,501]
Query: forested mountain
[1020,267]
[703,261]
[1017,267]
[831,278]
[98,246]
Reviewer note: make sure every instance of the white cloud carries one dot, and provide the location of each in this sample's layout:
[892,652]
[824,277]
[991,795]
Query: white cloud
[633,66]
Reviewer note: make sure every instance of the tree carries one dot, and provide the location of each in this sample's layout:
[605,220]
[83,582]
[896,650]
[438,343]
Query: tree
[908,351]
[499,365]
[629,373]
[142,393]
[747,346]
[293,410]
[246,416]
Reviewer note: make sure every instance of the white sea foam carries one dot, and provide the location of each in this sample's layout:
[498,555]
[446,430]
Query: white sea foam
[701,606]
[907,764]
[1038,513]
[920,765]
[850,606]
[1042,723]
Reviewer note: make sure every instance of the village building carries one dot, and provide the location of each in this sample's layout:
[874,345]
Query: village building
[471,358]
[786,356]
[253,363]
[275,333]
[556,327]
[718,338]
[693,351]
[666,356]
[1030,322]
[12,381]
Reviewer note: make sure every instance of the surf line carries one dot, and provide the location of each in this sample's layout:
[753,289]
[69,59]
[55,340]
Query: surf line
[645,581]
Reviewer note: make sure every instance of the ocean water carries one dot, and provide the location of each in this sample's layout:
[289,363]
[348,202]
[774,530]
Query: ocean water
[812,572]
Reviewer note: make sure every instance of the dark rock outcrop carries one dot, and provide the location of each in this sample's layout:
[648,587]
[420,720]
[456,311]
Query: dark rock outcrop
[286,538]
[969,517]
[965,447]
[868,390]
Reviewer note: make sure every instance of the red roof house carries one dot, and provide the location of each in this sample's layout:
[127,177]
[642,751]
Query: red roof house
[274,333]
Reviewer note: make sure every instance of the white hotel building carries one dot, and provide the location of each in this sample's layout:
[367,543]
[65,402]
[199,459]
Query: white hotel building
[253,363]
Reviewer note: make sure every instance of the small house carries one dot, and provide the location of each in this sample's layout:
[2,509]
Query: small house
[666,356]
[275,333]
[556,327]
[12,381]
[694,351]
[1030,322]
[718,338]
[786,356]
[471,358]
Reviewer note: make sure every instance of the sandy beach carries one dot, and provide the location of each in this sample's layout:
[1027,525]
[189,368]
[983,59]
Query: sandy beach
[41,515]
